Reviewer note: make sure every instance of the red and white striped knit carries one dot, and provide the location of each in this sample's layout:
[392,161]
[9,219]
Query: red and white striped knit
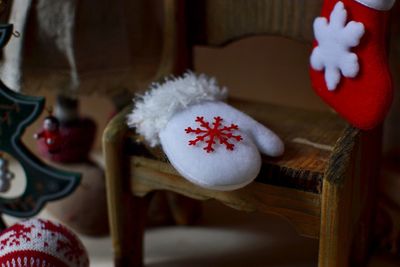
[41,243]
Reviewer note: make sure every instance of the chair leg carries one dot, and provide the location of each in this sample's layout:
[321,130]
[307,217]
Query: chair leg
[126,213]
[335,232]
[348,209]
[367,189]
[131,243]
[185,211]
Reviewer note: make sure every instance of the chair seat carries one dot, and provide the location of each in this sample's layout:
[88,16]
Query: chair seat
[309,137]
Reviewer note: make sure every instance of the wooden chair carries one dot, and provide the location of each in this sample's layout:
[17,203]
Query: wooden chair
[325,182]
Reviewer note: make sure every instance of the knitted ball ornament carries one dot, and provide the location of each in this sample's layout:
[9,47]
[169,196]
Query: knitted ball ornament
[43,243]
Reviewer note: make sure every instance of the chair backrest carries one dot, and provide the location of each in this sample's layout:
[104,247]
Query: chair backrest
[219,22]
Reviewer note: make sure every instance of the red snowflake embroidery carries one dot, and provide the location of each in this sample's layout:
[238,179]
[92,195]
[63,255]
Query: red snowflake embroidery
[210,134]
[19,233]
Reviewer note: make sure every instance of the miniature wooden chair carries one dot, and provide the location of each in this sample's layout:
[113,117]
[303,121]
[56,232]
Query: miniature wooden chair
[325,182]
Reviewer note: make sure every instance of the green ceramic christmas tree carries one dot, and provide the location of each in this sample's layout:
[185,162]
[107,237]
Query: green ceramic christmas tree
[44,183]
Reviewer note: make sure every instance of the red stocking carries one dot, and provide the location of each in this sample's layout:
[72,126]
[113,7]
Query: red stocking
[349,66]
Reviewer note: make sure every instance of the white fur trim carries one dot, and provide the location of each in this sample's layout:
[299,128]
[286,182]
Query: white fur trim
[382,5]
[153,110]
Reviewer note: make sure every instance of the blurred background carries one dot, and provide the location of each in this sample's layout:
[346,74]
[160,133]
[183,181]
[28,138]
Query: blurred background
[265,69]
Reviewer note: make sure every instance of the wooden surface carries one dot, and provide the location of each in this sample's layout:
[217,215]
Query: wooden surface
[295,186]
[302,209]
[176,56]
[217,22]
[348,208]
[345,209]
[119,198]
[309,137]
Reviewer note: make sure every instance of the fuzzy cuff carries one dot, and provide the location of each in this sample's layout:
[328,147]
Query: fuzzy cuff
[153,110]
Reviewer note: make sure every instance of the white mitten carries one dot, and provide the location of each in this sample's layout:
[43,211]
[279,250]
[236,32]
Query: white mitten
[207,141]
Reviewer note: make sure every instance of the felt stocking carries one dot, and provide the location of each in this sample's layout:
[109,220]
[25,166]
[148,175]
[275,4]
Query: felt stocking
[207,141]
[349,67]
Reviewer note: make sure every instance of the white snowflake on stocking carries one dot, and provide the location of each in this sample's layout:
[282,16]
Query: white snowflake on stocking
[335,39]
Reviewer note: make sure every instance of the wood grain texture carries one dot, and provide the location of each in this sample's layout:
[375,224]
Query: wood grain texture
[309,137]
[348,208]
[302,209]
[176,56]
[301,186]
[125,211]
[218,22]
